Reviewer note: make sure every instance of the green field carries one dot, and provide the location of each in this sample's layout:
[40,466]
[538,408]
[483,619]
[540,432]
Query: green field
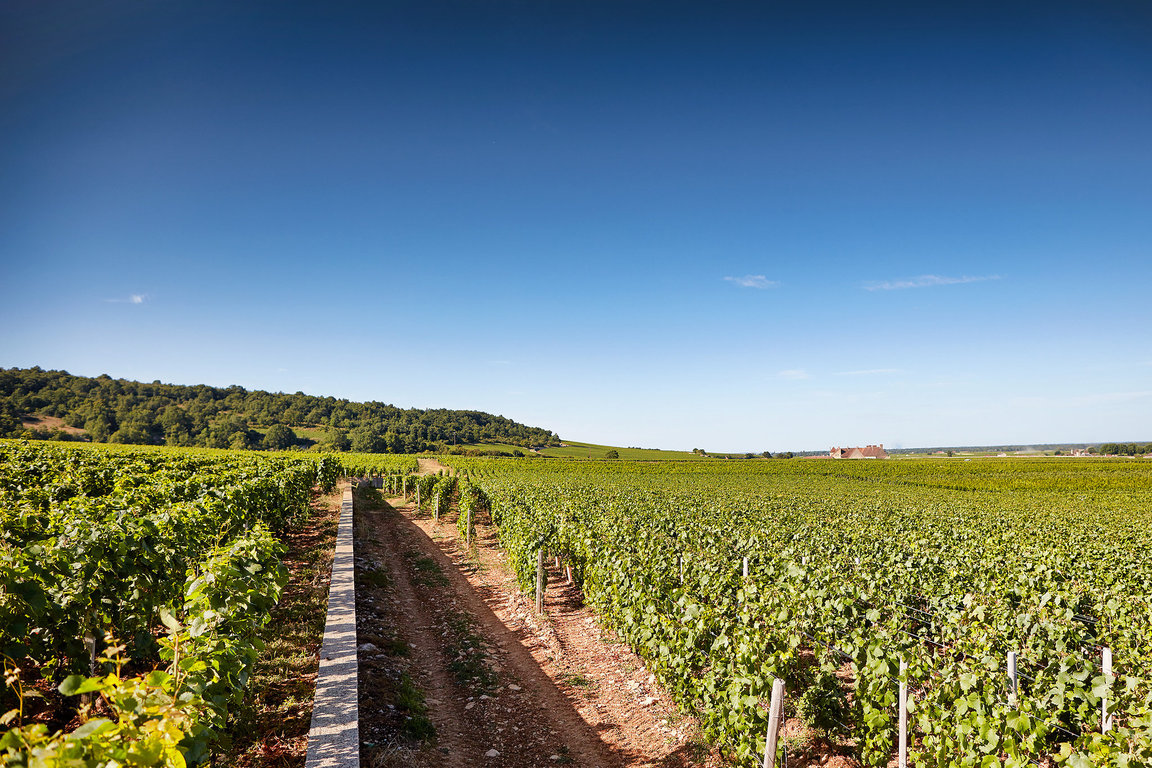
[573,450]
[505,447]
[307,433]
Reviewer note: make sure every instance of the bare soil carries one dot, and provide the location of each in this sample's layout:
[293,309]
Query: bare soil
[48,423]
[501,686]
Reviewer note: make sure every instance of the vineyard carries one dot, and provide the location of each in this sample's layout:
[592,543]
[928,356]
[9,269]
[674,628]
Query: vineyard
[140,577]
[1012,598]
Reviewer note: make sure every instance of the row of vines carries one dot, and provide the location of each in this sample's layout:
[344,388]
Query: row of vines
[135,583]
[855,568]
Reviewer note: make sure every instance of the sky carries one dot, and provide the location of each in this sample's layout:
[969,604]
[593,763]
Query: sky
[738,226]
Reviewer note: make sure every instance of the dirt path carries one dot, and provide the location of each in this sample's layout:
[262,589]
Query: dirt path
[542,692]
[489,704]
[431,467]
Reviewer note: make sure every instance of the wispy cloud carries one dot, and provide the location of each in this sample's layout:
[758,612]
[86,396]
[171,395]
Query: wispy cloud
[870,372]
[926,281]
[135,298]
[794,374]
[1092,398]
[753,281]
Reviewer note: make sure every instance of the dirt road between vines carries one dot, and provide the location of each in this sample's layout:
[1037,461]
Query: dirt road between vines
[502,686]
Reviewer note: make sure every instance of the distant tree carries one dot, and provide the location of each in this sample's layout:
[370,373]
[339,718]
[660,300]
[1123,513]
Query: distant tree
[366,439]
[335,440]
[232,432]
[612,454]
[174,420]
[98,428]
[767,454]
[130,433]
[279,437]
[241,441]
[10,425]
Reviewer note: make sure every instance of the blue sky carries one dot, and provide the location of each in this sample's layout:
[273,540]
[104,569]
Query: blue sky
[735,226]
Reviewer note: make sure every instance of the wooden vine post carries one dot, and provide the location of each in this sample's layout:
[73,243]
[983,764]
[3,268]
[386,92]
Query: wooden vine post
[541,582]
[1013,680]
[1105,715]
[903,745]
[774,715]
[93,668]
[436,508]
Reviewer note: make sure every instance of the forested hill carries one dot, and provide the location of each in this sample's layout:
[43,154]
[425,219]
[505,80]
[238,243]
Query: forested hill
[104,409]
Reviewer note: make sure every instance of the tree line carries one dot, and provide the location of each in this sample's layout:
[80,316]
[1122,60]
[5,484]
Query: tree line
[122,411]
[1124,449]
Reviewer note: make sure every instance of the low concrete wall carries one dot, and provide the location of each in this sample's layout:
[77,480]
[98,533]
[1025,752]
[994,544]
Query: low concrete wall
[334,740]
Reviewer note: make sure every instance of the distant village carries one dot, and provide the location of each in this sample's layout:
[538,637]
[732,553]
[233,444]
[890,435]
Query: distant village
[1104,450]
[867,452]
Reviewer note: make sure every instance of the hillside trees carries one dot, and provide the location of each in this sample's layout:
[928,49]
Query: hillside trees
[100,426]
[176,425]
[232,432]
[335,440]
[9,421]
[207,416]
[367,439]
[279,437]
